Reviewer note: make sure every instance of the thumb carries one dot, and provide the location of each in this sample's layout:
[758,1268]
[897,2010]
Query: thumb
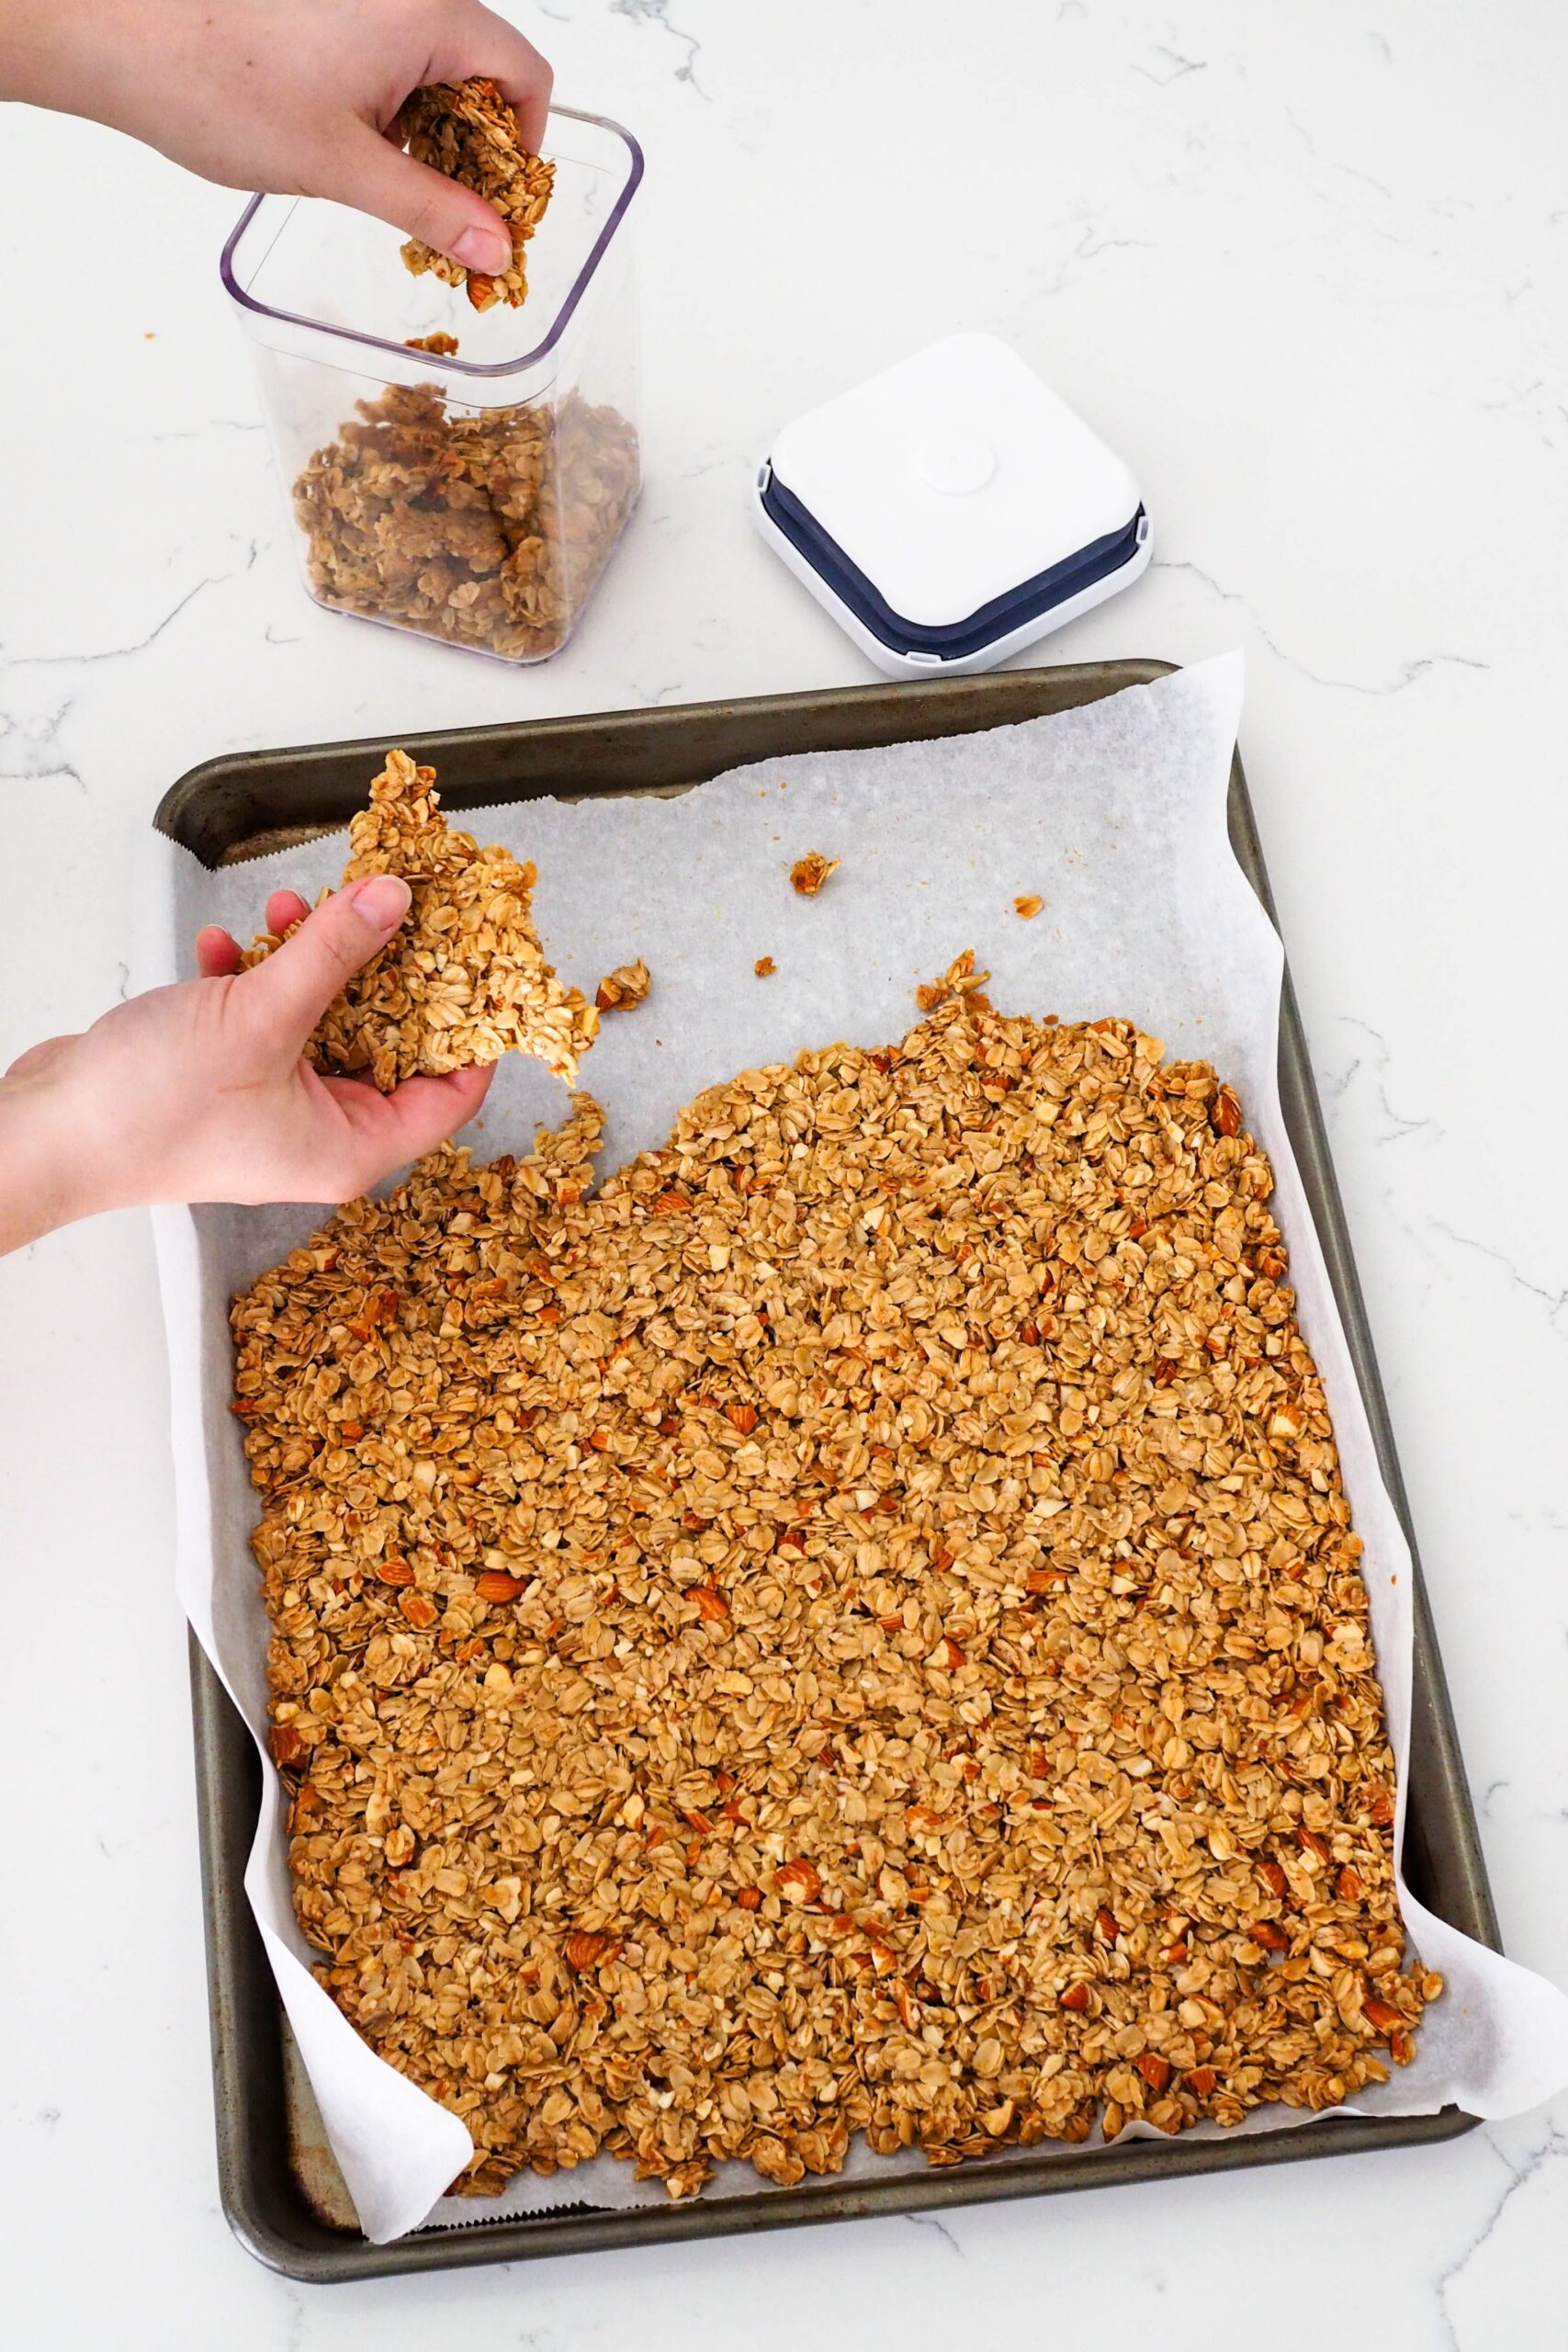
[294,987]
[374,176]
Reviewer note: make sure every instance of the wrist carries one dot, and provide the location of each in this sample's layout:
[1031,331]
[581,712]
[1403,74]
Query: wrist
[46,1177]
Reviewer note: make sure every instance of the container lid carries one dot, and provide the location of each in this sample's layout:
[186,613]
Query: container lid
[320,279]
[951,496]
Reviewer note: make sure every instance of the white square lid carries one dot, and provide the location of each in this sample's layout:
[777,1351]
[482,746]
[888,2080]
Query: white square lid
[953,477]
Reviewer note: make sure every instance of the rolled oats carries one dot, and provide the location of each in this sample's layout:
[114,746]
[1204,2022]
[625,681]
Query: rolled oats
[488,529]
[764,967]
[465,979]
[852,1626]
[467,131]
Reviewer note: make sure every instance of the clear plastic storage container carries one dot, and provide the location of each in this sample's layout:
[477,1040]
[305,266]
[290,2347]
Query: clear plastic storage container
[474,495]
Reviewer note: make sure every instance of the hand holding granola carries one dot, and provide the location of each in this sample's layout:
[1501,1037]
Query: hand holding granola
[201,1091]
[294,96]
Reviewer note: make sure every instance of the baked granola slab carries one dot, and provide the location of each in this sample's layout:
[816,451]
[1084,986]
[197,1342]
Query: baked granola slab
[465,979]
[467,131]
[852,1626]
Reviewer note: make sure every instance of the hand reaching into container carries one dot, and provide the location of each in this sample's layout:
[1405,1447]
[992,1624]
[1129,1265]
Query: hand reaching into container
[291,96]
[201,1091]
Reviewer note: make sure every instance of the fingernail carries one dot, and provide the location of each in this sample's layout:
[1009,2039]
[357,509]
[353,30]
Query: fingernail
[484,248]
[381,900]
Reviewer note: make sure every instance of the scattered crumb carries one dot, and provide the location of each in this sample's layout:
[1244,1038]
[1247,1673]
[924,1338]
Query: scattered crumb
[809,873]
[1028,907]
[764,967]
[624,987]
[440,346]
[960,984]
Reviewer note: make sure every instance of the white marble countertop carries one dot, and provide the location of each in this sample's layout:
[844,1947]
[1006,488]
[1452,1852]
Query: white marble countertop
[1307,271]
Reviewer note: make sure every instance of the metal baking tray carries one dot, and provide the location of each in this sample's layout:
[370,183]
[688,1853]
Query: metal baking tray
[281,2190]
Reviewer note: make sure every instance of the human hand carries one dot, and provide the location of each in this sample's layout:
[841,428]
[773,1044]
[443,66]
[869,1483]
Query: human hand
[200,1092]
[291,96]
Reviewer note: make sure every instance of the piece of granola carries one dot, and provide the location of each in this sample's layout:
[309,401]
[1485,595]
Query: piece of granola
[623,988]
[960,984]
[465,979]
[469,132]
[808,873]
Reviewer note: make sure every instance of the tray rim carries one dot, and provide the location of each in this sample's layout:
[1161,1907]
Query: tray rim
[248,2070]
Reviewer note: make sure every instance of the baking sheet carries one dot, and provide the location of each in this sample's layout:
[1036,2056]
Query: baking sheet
[1115,814]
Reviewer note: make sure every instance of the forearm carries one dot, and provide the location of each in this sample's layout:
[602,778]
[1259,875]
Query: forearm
[60,53]
[44,1180]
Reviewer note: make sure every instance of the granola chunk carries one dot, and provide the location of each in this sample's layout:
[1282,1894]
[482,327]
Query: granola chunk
[466,979]
[626,985]
[851,1627]
[960,984]
[468,131]
[809,873]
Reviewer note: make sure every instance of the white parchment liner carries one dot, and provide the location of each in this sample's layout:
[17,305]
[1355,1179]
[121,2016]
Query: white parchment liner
[1115,815]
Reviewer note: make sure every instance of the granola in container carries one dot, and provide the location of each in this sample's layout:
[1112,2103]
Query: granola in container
[487,528]
[852,1625]
[458,462]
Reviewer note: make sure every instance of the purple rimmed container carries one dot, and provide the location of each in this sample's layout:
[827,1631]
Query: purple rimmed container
[473,496]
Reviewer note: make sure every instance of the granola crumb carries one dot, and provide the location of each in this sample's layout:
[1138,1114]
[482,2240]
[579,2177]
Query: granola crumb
[468,131]
[764,967]
[626,985]
[852,1628]
[809,873]
[440,346]
[1028,906]
[960,984]
[465,979]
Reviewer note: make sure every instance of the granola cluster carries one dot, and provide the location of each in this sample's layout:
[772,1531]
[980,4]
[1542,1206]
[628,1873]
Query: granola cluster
[624,988]
[808,873]
[465,979]
[488,529]
[852,1627]
[468,131]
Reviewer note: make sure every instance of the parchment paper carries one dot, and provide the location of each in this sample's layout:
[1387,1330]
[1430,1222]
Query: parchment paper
[1115,815]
